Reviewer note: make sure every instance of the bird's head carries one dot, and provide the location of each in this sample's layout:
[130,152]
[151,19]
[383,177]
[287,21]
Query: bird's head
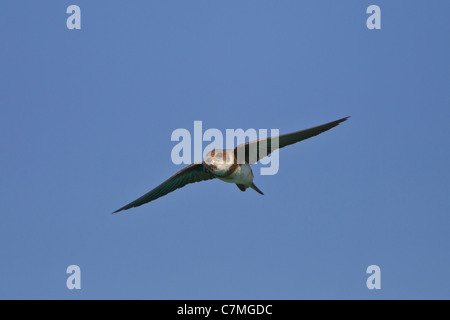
[219,160]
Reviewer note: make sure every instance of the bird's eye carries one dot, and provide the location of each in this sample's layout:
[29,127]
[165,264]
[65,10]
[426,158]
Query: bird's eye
[219,155]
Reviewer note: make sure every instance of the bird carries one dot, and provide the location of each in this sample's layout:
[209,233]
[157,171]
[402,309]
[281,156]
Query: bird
[232,165]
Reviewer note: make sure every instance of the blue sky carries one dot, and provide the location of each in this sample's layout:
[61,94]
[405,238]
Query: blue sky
[87,116]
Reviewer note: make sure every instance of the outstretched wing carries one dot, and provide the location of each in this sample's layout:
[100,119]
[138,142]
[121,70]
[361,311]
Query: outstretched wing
[253,151]
[193,173]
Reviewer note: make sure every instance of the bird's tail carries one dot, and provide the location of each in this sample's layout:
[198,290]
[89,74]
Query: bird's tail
[256,189]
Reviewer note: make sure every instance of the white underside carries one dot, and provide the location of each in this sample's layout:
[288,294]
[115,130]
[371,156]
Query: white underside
[243,176]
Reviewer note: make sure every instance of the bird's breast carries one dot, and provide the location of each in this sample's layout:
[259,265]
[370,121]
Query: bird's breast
[223,165]
[221,169]
[241,174]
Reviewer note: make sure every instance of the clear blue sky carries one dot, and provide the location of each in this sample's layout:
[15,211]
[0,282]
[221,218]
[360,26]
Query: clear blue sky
[86,120]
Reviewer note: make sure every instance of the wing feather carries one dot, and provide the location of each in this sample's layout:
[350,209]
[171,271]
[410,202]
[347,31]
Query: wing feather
[256,150]
[191,174]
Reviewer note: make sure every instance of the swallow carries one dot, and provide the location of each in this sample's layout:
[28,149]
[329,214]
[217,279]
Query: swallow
[224,164]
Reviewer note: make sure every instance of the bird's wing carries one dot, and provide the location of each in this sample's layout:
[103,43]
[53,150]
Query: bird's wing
[256,150]
[193,173]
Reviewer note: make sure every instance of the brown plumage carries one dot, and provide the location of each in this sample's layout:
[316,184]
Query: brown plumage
[256,150]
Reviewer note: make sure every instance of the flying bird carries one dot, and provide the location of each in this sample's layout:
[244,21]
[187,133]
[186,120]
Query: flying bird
[231,166]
